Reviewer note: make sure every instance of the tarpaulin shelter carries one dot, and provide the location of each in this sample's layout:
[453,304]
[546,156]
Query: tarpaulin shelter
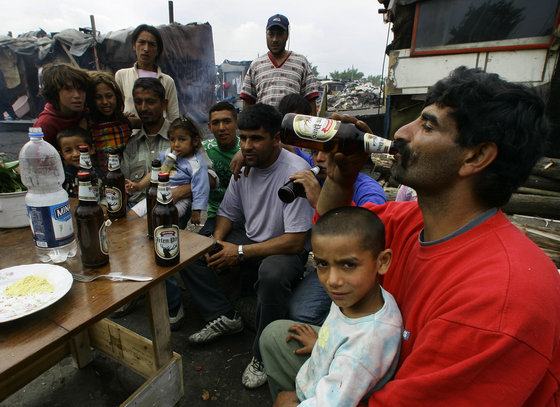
[188,57]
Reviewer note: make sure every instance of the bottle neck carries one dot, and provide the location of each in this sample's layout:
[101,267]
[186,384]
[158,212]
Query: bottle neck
[378,145]
[113,163]
[85,161]
[86,193]
[164,196]
[154,175]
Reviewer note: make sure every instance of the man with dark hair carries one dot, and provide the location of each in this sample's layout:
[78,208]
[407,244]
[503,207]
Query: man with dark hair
[145,145]
[148,47]
[269,251]
[222,122]
[64,89]
[279,72]
[480,301]
[149,141]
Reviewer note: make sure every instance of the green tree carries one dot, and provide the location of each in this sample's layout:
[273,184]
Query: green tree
[314,70]
[349,74]
[375,79]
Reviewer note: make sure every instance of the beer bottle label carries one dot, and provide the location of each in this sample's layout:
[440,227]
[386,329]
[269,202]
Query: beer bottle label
[85,160]
[376,144]
[113,196]
[103,240]
[166,241]
[87,192]
[113,162]
[315,128]
[164,194]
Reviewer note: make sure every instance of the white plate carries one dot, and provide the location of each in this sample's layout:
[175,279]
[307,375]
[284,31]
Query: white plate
[20,306]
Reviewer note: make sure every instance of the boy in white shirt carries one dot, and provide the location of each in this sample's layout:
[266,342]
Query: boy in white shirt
[356,350]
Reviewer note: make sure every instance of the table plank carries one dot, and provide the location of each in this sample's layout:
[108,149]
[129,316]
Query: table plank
[25,340]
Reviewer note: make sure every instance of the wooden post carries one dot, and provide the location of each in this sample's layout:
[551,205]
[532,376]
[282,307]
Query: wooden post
[94,31]
[171,18]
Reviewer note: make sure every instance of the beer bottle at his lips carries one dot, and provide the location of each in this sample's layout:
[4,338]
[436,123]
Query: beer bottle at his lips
[115,194]
[86,165]
[92,231]
[165,219]
[318,133]
[151,195]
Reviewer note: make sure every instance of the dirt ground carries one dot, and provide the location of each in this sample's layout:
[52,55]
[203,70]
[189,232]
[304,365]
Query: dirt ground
[212,373]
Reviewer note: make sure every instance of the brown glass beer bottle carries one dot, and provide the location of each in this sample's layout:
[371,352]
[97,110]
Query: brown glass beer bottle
[151,195]
[165,219]
[86,165]
[115,194]
[318,133]
[92,232]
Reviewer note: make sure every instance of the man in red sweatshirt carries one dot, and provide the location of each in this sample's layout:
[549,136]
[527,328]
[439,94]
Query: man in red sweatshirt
[480,301]
[64,89]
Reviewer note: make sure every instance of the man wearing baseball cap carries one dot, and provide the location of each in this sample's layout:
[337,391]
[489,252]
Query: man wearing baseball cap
[279,72]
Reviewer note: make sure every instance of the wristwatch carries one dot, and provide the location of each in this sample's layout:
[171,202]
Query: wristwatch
[240,253]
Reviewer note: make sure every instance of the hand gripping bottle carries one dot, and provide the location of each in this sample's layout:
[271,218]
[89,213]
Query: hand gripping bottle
[47,202]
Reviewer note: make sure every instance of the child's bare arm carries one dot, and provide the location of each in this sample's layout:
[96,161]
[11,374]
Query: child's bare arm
[305,335]
[195,217]
[286,399]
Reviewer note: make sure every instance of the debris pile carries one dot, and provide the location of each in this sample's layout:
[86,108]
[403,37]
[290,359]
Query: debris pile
[355,95]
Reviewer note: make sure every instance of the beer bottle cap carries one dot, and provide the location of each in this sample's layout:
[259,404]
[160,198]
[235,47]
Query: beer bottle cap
[84,148]
[156,163]
[84,176]
[163,177]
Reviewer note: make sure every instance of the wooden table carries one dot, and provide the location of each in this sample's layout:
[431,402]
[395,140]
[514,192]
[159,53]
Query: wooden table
[75,324]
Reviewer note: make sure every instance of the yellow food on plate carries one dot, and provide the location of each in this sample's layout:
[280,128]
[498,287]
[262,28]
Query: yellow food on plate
[28,286]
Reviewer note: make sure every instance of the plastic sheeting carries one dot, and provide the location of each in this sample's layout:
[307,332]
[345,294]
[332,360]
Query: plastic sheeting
[188,57]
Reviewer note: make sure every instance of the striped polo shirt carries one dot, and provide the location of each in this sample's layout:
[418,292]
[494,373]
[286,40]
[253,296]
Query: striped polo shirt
[267,83]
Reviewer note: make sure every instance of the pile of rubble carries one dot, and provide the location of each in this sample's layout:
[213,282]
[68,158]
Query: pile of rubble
[355,95]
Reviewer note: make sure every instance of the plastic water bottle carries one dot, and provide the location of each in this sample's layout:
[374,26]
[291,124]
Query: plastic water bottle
[47,202]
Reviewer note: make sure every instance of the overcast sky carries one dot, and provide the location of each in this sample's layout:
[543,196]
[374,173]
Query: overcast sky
[333,34]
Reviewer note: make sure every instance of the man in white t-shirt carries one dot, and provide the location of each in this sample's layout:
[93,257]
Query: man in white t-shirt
[269,251]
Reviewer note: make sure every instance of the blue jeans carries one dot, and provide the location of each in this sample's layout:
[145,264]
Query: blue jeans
[310,303]
[172,288]
[272,278]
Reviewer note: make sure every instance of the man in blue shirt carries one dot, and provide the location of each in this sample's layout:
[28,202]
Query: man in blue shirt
[310,303]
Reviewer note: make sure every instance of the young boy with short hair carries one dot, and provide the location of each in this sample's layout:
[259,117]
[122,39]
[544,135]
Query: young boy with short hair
[68,141]
[64,89]
[356,350]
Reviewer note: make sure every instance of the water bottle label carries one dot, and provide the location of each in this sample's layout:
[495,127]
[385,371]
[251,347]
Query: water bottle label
[51,225]
[376,144]
[166,241]
[114,199]
[113,163]
[103,240]
[315,128]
